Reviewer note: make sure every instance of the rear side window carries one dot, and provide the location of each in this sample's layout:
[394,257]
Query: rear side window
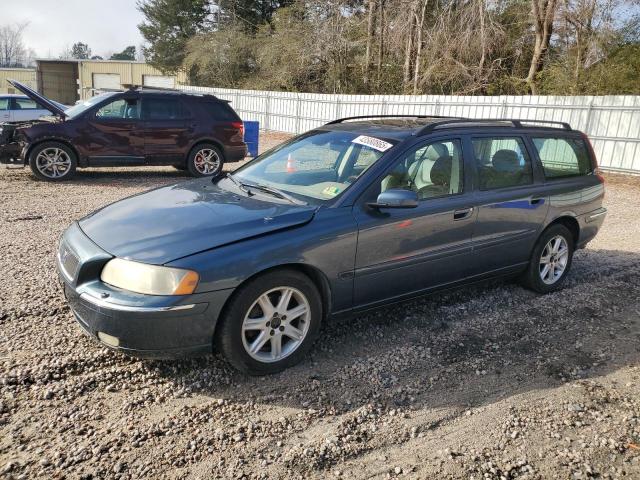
[563,157]
[4,104]
[502,162]
[222,112]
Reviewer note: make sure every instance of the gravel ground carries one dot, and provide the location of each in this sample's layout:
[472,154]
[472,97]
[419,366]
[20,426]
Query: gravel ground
[490,381]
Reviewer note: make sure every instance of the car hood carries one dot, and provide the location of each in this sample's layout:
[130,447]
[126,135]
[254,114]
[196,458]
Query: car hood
[172,222]
[54,107]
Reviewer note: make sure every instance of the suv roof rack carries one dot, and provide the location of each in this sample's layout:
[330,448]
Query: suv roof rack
[142,88]
[361,117]
[516,122]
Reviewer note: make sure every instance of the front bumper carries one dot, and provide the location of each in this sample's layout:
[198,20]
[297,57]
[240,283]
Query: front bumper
[10,152]
[140,325]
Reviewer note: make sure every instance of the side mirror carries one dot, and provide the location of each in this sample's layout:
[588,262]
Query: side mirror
[396,198]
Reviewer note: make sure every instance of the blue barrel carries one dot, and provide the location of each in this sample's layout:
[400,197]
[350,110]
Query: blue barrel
[252,136]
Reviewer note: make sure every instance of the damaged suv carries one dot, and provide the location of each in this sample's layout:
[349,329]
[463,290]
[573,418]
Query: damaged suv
[136,127]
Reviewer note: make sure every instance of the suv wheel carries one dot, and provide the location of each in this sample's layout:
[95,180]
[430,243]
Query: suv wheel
[52,161]
[205,160]
[551,260]
[270,323]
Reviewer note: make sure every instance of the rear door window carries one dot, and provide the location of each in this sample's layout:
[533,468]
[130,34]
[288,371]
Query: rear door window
[502,162]
[162,109]
[563,157]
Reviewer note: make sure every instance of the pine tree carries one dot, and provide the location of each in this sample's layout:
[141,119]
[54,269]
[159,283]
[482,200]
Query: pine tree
[167,27]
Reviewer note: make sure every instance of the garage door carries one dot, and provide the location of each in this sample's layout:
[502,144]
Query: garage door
[161,81]
[107,81]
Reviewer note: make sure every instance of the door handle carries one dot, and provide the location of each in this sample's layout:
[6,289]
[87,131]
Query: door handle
[536,201]
[462,214]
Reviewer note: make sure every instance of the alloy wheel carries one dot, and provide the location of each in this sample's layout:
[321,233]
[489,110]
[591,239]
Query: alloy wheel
[206,161]
[276,324]
[53,162]
[554,259]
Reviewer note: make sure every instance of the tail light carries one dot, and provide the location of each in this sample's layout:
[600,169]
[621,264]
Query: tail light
[594,161]
[238,126]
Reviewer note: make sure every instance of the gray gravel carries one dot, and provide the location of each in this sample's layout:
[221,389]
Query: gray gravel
[491,381]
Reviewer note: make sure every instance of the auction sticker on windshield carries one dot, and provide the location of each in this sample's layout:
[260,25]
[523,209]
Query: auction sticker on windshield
[373,142]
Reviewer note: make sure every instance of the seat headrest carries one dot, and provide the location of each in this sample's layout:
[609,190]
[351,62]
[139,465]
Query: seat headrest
[437,150]
[441,170]
[505,161]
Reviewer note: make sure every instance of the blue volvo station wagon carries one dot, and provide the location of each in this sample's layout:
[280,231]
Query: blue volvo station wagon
[361,212]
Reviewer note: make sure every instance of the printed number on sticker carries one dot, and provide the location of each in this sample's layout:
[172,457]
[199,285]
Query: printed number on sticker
[373,142]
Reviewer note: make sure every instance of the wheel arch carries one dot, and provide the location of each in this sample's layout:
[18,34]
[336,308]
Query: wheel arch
[571,223]
[202,141]
[47,140]
[318,278]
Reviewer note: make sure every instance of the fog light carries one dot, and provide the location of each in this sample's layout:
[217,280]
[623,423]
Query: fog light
[108,339]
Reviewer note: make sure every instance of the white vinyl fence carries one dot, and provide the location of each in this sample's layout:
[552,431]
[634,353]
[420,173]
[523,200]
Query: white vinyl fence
[612,122]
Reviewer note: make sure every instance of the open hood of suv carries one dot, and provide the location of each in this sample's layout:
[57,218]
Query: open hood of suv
[50,105]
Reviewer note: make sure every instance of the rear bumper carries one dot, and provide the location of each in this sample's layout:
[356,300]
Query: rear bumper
[235,153]
[590,223]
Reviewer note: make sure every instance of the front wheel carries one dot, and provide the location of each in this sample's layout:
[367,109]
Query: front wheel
[52,161]
[551,260]
[205,160]
[270,323]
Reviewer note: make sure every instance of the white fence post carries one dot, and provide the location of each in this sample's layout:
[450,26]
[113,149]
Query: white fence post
[267,112]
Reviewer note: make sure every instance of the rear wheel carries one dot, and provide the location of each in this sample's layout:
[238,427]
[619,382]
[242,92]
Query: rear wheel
[270,323]
[551,260]
[52,161]
[205,160]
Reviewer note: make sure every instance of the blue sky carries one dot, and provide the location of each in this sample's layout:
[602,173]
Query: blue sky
[53,25]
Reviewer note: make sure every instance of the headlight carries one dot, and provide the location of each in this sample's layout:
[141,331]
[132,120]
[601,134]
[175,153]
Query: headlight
[149,279]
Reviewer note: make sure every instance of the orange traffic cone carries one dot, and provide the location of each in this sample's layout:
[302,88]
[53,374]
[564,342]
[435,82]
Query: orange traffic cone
[290,164]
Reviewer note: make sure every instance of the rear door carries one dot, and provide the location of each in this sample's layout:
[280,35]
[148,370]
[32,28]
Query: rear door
[511,200]
[407,251]
[5,113]
[166,137]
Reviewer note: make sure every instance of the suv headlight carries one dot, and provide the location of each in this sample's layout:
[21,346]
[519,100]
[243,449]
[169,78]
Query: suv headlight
[149,279]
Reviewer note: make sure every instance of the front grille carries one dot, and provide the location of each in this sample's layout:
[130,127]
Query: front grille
[68,261]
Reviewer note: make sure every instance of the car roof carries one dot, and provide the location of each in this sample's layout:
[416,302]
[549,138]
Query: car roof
[13,95]
[401,127]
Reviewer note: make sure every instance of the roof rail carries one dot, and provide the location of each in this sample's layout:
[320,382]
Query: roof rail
[360,117]
[517,122]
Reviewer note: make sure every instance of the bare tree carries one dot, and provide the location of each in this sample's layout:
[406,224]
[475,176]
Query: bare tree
[12,50]
[544,13]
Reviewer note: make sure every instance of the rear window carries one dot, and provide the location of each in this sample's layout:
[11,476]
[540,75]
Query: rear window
[563,157]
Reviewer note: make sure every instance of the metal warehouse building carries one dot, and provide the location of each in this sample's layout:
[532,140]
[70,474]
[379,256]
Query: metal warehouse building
[24,75]
[68,81]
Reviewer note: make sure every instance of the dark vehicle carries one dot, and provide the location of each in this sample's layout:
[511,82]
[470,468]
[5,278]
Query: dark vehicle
[139,126]
[353,215]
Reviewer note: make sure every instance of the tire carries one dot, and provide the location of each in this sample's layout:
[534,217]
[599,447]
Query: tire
[245,324]
[53,161]
[202,160]
[540,278]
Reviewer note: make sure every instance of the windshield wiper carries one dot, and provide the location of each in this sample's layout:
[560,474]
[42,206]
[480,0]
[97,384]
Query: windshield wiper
[275,192]
[240,185]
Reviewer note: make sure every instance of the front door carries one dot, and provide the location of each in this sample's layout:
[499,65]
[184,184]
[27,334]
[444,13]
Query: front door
[407,251]
[165,129]
[512,202]
[113,135]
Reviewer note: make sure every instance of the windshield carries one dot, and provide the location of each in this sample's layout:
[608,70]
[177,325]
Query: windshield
[318,165]
[82,107]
